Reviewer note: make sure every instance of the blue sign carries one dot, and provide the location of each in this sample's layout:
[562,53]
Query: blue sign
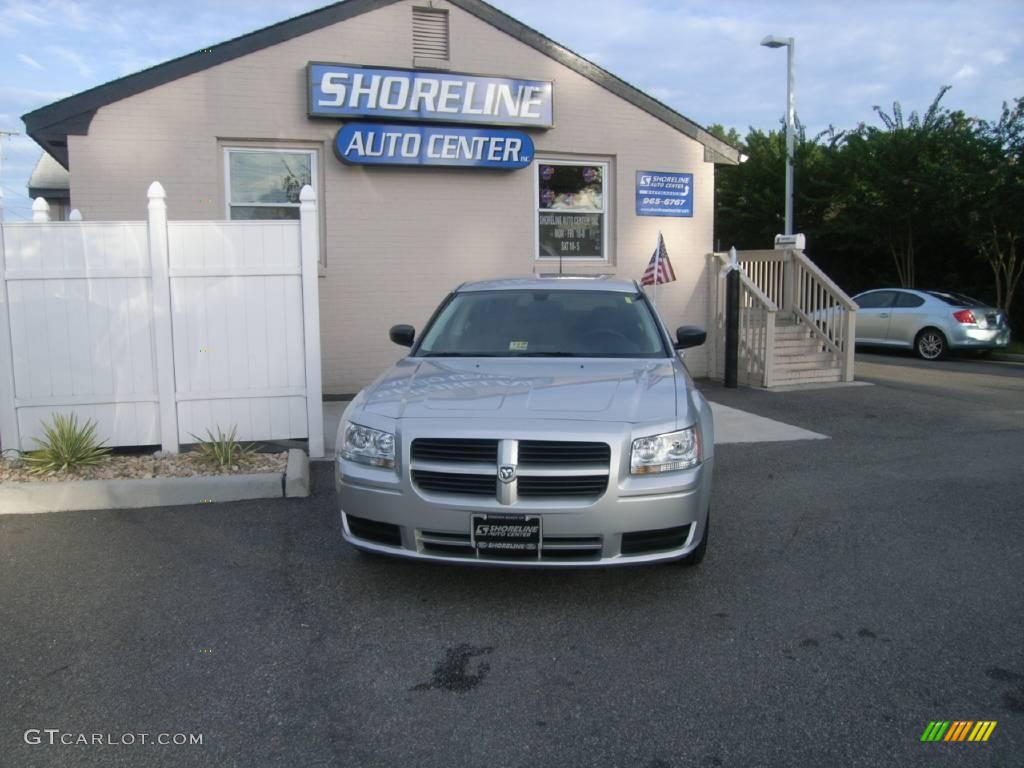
[340,90]
[396,144]
[664,194]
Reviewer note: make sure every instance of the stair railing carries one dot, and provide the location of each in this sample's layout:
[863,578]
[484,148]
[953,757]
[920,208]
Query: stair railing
[756,328]
[799,287]
[823,307]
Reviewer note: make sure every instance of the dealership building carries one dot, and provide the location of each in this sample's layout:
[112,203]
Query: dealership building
[445,140]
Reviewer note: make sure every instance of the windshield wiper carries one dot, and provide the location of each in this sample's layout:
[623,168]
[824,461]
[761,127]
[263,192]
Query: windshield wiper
[457,354]
[546,354]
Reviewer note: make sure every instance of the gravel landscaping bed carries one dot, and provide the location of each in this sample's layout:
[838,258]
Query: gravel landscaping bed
[151,465]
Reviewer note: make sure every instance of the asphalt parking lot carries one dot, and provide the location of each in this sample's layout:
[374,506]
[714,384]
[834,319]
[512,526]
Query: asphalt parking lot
[855,589]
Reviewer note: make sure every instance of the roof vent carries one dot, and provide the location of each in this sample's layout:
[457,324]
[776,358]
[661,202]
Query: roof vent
[430,39]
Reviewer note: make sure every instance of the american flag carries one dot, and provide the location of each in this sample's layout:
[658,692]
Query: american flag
[659,268]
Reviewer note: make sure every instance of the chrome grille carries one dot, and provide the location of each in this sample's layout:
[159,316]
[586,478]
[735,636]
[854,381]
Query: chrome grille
[562,485]
[456,482]
[549,452]
[555,469]
[455,449]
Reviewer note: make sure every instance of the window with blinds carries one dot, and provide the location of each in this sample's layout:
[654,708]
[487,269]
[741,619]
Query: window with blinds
[430,33]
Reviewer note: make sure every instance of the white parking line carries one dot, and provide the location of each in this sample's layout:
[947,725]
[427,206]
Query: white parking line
[735,426]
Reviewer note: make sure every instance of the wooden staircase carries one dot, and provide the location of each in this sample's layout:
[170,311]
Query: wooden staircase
[800,357]
[795,325]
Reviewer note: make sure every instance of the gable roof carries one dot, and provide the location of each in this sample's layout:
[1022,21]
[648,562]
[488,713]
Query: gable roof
[51,125]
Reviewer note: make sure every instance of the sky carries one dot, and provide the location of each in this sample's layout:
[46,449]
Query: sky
[701,57]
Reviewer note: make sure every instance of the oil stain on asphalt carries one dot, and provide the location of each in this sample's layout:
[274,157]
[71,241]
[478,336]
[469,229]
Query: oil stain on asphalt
[453,674]
[1013,700]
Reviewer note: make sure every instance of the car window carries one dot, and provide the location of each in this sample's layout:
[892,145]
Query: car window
[544,323]
[956,299]
[908,300]
[875,299]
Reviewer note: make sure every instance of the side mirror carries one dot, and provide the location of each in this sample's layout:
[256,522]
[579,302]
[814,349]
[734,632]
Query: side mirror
[690,336]
[403,335]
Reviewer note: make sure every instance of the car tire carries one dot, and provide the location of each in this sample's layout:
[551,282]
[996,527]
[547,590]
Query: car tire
[930,344]
[696,557]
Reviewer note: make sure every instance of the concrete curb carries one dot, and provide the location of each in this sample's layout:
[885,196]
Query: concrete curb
[133,493]
[296,477]
[1006,358]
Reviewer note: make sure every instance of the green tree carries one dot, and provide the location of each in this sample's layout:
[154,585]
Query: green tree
[933,200]
[999,216]
[894,182]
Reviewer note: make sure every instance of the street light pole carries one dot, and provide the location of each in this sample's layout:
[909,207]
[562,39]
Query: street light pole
[771,41]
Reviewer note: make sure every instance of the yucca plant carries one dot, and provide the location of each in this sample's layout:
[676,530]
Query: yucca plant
[222,449]
[68,446]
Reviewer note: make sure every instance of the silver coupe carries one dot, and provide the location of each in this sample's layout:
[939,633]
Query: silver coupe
[929,322]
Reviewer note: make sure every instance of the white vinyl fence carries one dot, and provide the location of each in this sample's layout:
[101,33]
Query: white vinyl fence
[160,330]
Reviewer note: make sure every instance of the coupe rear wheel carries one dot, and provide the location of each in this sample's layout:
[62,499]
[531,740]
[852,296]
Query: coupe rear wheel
[930,344]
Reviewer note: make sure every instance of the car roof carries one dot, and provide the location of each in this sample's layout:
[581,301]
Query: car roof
[553,283]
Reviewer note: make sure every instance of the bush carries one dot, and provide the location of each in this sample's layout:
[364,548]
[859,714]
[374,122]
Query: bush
[222,450]
[67,447]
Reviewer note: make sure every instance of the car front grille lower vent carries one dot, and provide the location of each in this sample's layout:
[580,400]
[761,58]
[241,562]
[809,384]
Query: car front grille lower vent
[645,542]
[565,548]
[371,530]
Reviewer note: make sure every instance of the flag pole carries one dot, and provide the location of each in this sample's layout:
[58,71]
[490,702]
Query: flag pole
[657,267]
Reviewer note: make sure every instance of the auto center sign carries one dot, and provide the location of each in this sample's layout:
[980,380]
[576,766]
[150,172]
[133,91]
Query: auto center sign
[395,144]
[421,96]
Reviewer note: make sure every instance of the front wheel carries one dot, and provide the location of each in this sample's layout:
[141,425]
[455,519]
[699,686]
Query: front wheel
[930,344]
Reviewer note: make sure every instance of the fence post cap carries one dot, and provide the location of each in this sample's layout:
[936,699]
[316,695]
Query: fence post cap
[156,189]
[307,195]
[75,215]
[39,205]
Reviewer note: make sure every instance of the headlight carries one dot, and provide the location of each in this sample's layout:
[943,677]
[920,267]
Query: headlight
[368,446]
[665,453]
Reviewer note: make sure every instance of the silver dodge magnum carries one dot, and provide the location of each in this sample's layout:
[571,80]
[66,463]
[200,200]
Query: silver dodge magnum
[541,422]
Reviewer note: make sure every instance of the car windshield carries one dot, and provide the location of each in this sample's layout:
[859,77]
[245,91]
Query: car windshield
[543,323]
[956,299]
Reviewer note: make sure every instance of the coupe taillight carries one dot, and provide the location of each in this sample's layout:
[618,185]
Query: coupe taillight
[965,316]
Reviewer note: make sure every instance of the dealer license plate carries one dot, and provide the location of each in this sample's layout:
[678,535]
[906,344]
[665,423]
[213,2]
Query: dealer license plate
[496,535]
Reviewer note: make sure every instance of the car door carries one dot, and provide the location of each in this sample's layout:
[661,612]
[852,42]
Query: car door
[873,314]
[907,316]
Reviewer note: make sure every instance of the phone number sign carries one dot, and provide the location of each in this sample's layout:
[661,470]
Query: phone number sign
[664,194]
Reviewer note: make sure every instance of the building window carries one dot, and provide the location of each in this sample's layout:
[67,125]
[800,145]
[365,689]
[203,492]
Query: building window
[265,183]
[572,209]
[430,38]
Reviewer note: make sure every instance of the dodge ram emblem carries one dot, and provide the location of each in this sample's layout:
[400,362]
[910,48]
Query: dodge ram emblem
[507,473]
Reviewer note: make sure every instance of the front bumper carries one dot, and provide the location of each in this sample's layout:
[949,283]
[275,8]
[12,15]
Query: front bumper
[575,532]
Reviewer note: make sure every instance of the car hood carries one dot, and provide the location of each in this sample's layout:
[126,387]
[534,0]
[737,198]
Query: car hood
[618,390]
